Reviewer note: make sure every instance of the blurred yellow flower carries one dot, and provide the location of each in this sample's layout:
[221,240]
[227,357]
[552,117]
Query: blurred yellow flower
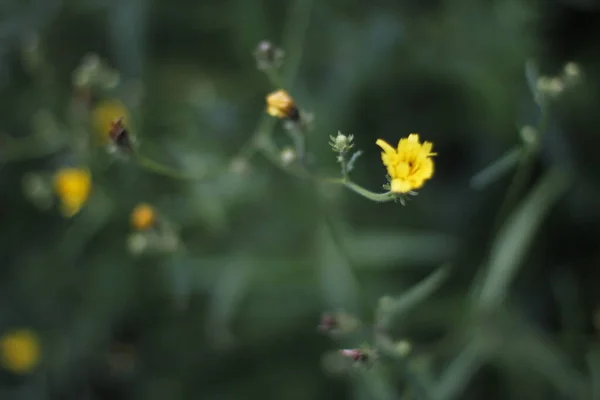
[73,187]
[281,105]
[143,217]
[20,351]
[105,114]
[408,166]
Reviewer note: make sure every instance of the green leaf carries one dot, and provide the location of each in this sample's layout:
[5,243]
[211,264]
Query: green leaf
[381,249]
[516,235]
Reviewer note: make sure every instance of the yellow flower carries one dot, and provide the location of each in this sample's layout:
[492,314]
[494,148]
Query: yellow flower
[73,187]
[143,217]
[105,114]
[20,351]
[408,166]
[281,105]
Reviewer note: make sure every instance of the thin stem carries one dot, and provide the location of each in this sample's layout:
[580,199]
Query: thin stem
[525,168]
[274,78]
[297,136]
[290,169]
[378,197]
[269,150]
[343,164]
[293,38]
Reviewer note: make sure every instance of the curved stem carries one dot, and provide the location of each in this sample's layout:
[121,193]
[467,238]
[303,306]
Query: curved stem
[297,137]
[274,78]
[378,197]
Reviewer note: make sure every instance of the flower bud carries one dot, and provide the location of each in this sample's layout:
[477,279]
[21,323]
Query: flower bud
[143,217]
[288,156]
[355,354]
[572,70]
[550,86]
[529,134]
[341,143]
[281,105]
[338,323]
[268,56]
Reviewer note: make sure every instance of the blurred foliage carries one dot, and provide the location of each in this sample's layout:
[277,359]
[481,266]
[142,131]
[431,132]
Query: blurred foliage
[483,285]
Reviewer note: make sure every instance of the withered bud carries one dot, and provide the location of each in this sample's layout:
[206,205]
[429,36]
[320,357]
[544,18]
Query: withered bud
[338,323]
[572,70]
[268,56]
[328,323]
[120,136]
[356,355]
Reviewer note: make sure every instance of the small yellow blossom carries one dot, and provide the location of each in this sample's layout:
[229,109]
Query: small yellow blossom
[105,114]
[408,166]
[143,217]
[20,351]
[73,187]
[281,105]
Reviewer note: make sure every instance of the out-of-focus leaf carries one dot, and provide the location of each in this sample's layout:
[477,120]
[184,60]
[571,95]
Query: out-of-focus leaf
[494,171]
[514,238]
[229,290]
[395,307]
[593,361]
[532,74]
[339,286]
[374,383]
[522,347]
[386,249]
[294,36]
[460,371]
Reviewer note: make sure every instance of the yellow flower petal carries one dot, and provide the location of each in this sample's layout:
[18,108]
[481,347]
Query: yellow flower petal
[143,217]
[400,186]
[409,165]
[413,138]
[73,187]
[281,105]
[19,351]
[385,146]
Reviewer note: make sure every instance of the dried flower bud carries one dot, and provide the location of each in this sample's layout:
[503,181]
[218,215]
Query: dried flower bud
[338,323]
[357,355]
[268,56]
[120,136]
[328,323]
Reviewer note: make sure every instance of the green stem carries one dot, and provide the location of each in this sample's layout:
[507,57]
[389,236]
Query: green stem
[378,197]
[298,138]
[524,170]
[290,169]
[274,78]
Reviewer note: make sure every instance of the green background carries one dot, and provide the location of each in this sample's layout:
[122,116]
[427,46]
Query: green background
[234,315]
